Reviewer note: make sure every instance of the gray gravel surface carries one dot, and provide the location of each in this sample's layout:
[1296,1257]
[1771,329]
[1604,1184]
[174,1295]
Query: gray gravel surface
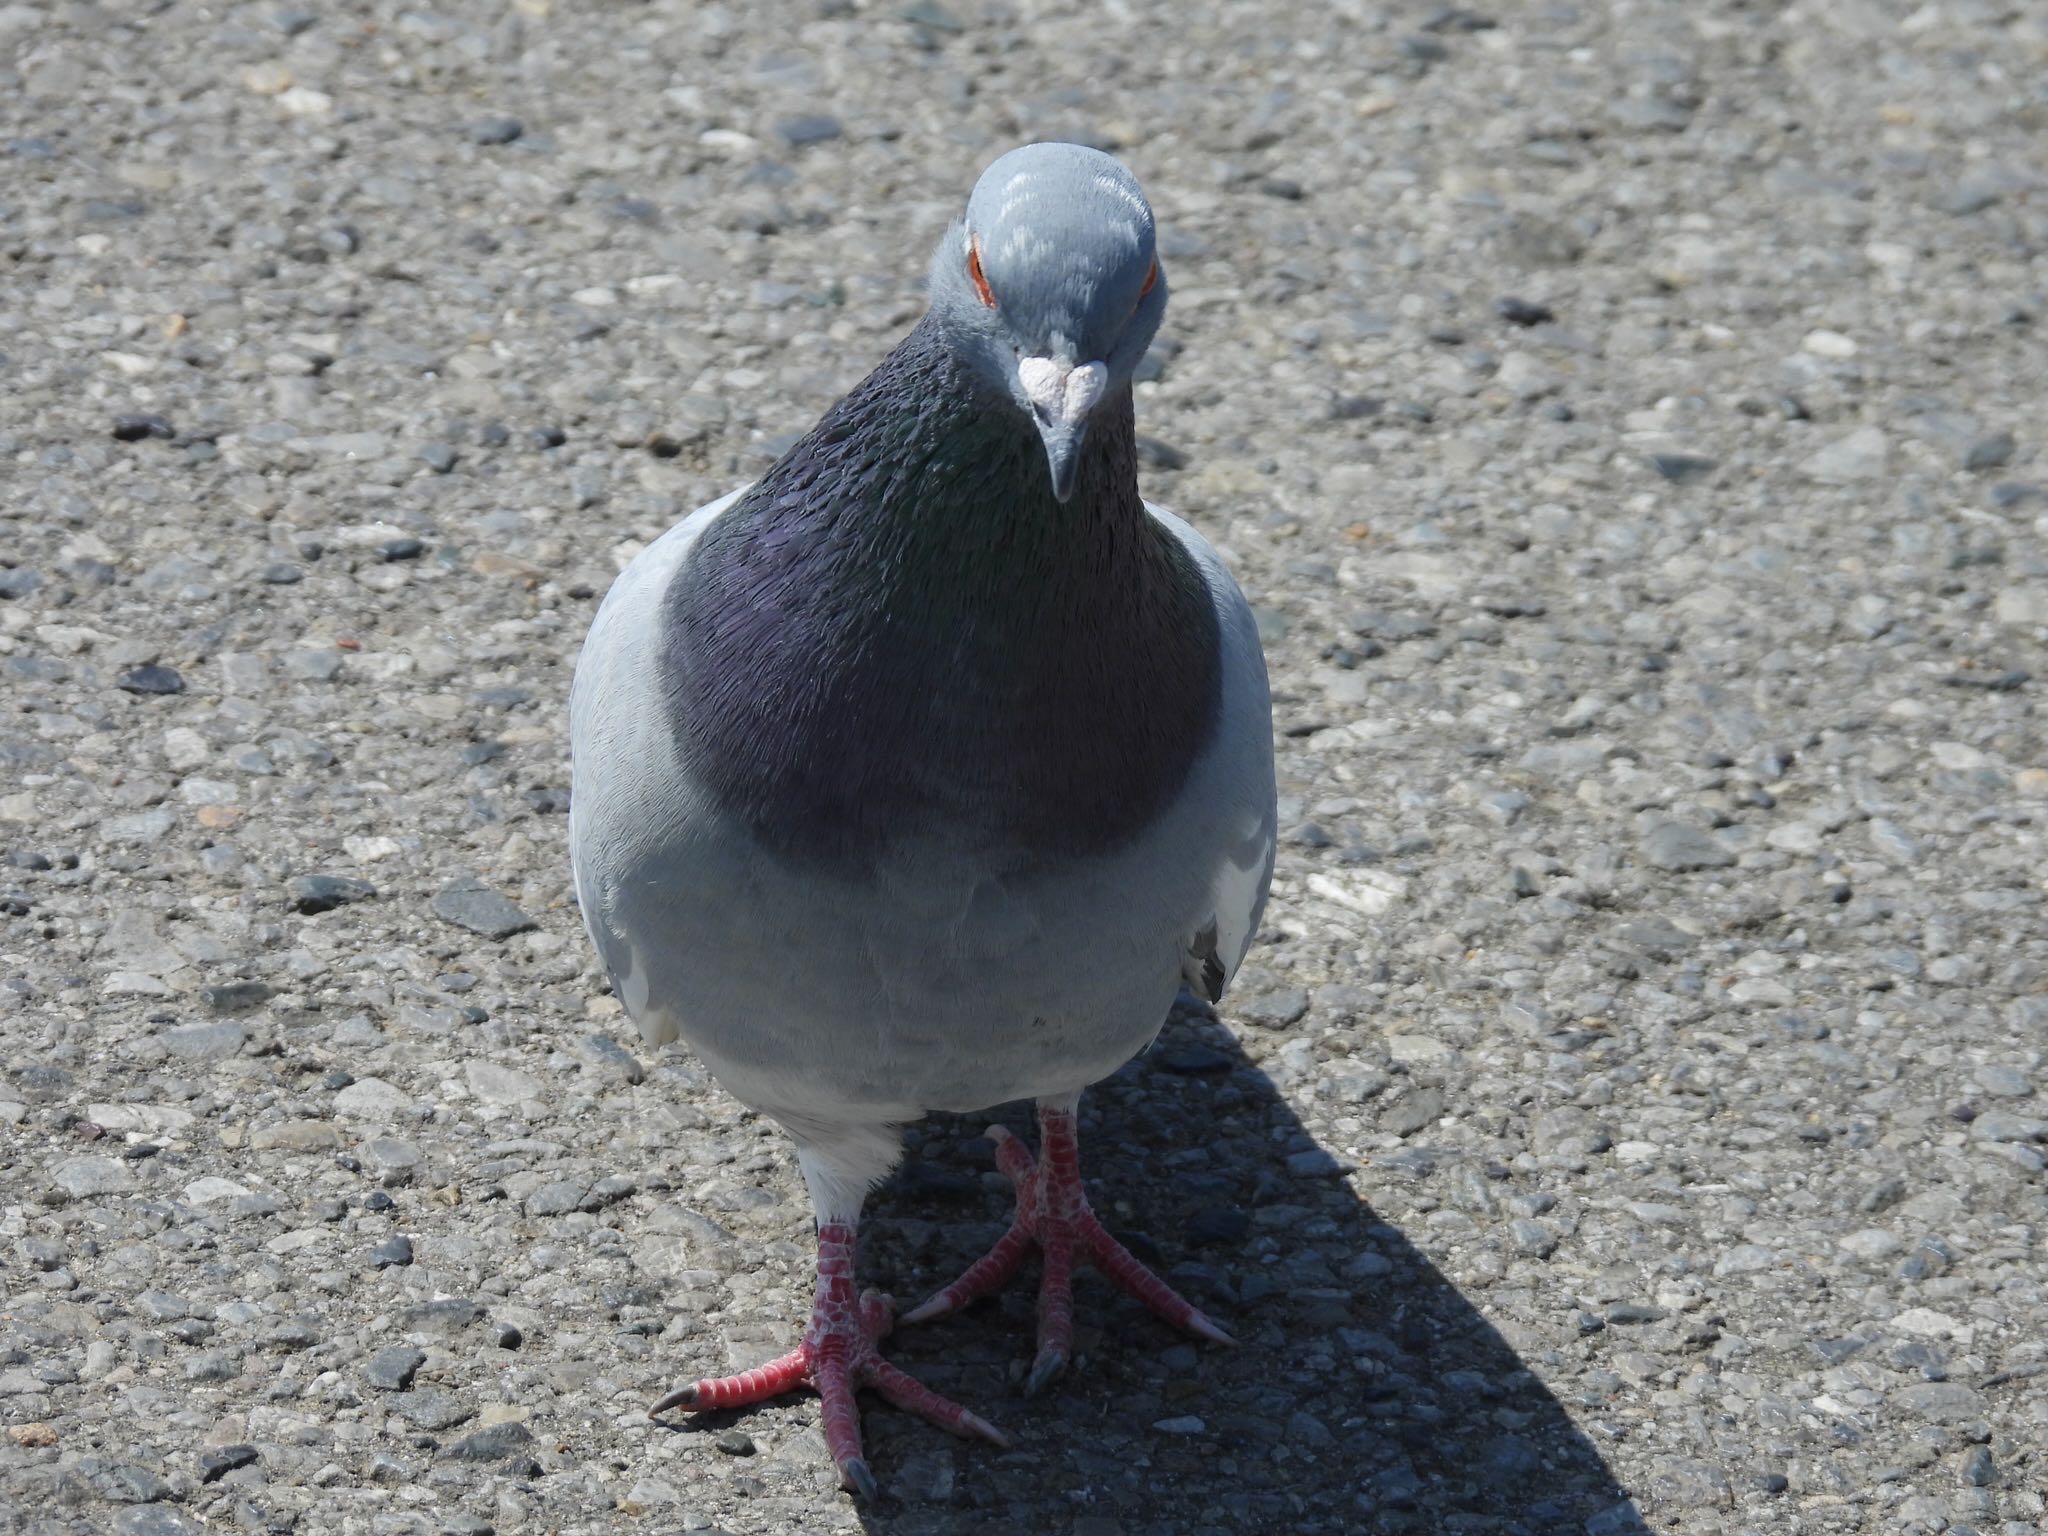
[1628,420]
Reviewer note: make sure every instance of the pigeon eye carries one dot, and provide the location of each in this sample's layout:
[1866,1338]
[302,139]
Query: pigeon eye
[975,275]
[1151,277]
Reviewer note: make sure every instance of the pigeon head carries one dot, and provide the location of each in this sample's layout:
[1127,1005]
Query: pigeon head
[1050,288]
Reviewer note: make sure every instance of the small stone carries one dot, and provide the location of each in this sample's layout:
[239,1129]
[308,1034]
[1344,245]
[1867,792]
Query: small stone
[2002,1081]
[493,1444]
[1873,1245]
[1274,1010]
[130,1484]
[1523,312]
[1191,1060]
[1989,452]
[1315,1163]
[438,457]
[557,1199]
[314,894]
[221,1460]
[86,1178]
[432,1409]
[1533,1237]
[395,1252]
[392,1369]
[1940,1402]
[810,128]
[394,550]
[1745,1259]
[1527,377]
[1413,1111]
[151,679]
[16,583]
[604,1057]
[155,1520]
[1683,468]
[295,1136]
[496,130]
[1186,1425]
[136,425]
[471,904]
[204,1042]
[1829,344]
[1978,1469]
[1681,846]
[496,1084]
[237,997]
[1218,1226]
[735,1442]
[1863,454]
[1770,1482]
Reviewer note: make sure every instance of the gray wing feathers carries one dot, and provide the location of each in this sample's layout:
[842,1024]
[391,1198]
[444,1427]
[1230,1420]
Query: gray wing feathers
[1243,786]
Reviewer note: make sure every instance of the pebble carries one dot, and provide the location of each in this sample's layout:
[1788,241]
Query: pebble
[1683,468]
[1523,312]
[1992,451]
[735,1442]
[496,130]
[1681,846]
[1275,1009]
[1412,1111]
[217,1463]
[152,679]
[85,1178]
[2003,1081]
[432,1409]
[810,128]
[155,1520]
[492,1444]
[475,906]
[137,425]
[237,997]
[391,1369]
[1864,454]
[1978,1470]
[314,894]
[1187,1424]
[204,1042]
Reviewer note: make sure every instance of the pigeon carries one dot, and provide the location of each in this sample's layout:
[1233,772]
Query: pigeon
[925,771]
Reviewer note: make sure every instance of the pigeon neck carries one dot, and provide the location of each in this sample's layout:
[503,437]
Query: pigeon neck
[900,631]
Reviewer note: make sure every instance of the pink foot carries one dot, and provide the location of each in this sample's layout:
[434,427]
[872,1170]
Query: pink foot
[1053,1216]
[837,1356]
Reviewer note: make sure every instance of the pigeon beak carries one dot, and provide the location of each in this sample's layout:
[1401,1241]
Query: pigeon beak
[1062,396]
[1063,454]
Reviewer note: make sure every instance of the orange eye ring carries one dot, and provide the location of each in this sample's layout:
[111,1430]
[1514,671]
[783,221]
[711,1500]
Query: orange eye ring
[976,276]
[1151,277]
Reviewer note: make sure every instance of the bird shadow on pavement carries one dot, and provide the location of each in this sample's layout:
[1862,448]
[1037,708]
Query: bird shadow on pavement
[1366,1394]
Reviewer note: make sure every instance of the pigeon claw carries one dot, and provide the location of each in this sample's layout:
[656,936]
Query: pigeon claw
[838,1357]
[856,1479]
[1054,1217]
[1050,1365]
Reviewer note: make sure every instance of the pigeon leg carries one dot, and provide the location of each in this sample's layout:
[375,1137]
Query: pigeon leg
[838,1357]
[1053,1215]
